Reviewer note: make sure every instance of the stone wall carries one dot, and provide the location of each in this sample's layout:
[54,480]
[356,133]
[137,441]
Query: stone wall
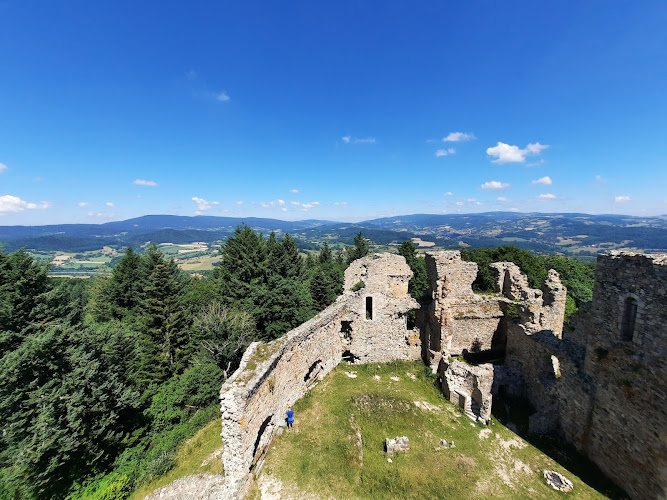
[628,430]
[273,376]
[376,314]
[601,390]
[468,387]
[458,320]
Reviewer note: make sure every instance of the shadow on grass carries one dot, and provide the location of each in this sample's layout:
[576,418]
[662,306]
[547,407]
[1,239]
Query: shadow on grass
[514,415]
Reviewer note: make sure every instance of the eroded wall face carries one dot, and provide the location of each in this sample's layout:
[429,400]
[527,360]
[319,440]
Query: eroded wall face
[379,333]
[458,320]
[602,392]
[628,424]
[273,376]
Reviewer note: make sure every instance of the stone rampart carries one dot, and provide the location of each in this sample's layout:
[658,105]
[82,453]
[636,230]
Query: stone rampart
[366,325]
[272,377]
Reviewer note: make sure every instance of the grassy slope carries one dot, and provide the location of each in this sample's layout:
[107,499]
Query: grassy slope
[321,457]
[189,459]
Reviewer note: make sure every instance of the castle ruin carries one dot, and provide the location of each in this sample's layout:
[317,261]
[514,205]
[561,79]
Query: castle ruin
[600,386]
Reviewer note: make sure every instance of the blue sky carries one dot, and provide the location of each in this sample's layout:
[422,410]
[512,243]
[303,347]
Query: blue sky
[341,110]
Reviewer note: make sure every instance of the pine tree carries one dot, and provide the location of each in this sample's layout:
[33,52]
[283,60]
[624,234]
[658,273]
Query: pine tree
[360,249]
[242,267]
[125,286]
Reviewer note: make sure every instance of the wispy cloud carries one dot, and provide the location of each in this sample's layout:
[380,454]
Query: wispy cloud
[83,204]
[445,152]
[342,203]
[545,181]
[495,185]
[3,167]
[308,206]
[39,179]
[110,204]
[222,97]
[458,137]
[505,153]
[294,191]
[203,205]
[295,203]
[448,193]
[142,182]
[546,197]
[622,199]
[239,202]
[503,199]
[348,139]
[13,204]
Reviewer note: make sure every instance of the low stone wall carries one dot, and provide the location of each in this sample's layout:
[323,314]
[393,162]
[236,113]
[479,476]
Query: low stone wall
[269,380]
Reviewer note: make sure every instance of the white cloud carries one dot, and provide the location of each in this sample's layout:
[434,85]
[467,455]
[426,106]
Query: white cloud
[36,179]
[546,197]
[110,204]
[494,185]
[284,209]
[3,167]
[358,140]
[280,202]
[204,205]
[536,148]
[622,199]
[294,191]
[445,152]
[239,202]
[83,204]
[312,204]
[503,199]
[9,203]
[342,203]
[448,193]
[458,137]
[222,97]
[296,203]
[545,181]
[142,182]
[506,153]
[459,203]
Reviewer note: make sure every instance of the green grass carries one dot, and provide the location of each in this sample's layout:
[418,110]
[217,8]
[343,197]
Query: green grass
[322,455]
[189,458]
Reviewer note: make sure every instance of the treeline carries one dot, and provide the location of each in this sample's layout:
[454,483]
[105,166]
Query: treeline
[102,379]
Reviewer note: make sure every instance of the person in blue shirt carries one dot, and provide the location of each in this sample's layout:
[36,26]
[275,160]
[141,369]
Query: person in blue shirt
[290,419]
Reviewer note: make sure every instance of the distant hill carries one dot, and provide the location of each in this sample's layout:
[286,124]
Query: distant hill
[580,234]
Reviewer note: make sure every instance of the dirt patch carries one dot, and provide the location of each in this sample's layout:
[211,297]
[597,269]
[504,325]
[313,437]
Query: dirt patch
[485,433]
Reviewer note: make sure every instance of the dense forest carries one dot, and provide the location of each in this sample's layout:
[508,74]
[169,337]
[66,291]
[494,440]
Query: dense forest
[103,378]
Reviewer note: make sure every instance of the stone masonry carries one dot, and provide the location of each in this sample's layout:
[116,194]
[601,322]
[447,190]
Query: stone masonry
[367,325]
[600,385]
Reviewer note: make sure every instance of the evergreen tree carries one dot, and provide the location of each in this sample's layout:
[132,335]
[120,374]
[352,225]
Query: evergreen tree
[125,286]
[289,264]
[418,285]
[325,254]
[242,267]
[360,249]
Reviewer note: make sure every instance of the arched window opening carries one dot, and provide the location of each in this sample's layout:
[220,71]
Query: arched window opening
[629,318]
